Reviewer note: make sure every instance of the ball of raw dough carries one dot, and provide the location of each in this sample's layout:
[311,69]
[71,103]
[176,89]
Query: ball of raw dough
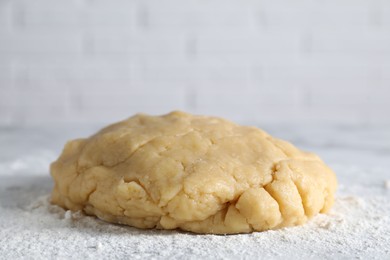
[197,173]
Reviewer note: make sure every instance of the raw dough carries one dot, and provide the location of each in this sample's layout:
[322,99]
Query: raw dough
[197,173]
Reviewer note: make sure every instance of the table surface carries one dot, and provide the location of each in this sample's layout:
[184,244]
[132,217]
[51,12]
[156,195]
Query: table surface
[357,227]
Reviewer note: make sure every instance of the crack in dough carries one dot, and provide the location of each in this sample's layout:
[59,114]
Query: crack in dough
[196,173]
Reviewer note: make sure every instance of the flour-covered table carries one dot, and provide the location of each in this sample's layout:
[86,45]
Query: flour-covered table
[357,227]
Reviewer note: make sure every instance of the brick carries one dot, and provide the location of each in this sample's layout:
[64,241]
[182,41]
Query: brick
[79,15]
[109,6]
[225,99]
[315,14]
[235,104]
[297,63]
[163,70]
[246,107]
[35,97]
[353,59]
[222,84]
[196,15]
[29,76]
[310,5]
[109,105]
[33,107]
[339,93]
[132,97]
[47,15]
[65,75]
[277,92]
[137,44]
[77,69]
[249,43]
[109,115]
[48,4]
[105,14]
[19,44]
[5,17]
[202,73]
[351,41]
[277,114]
[40,116]
[332,115]
[214,67]
[314,69]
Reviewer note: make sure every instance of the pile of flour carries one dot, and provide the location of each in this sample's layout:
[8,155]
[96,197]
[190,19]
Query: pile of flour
[357,226]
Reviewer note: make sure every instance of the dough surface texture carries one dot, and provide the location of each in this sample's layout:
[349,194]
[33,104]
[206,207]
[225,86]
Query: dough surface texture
[196,173]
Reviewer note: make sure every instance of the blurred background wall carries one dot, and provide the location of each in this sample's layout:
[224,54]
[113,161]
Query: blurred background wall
[273,61]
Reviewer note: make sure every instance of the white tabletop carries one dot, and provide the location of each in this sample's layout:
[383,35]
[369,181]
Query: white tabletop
[357,227]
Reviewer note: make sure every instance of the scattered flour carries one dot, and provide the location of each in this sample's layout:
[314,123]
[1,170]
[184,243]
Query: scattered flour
[356,227]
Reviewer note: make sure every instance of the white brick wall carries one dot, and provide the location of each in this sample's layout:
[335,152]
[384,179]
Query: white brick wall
[97,61]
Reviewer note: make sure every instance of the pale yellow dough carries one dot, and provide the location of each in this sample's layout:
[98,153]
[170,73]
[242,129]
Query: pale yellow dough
[197,173]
